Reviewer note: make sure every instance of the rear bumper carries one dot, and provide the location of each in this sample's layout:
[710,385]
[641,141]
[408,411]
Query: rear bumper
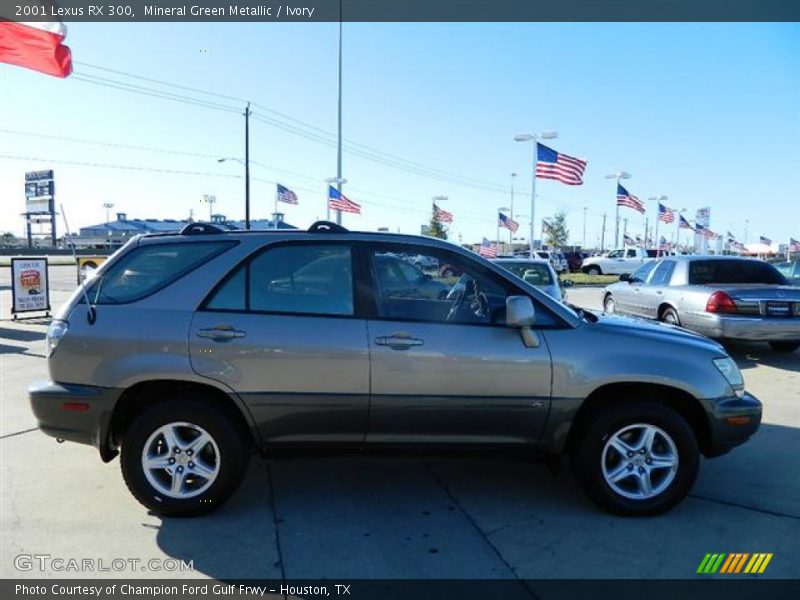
[748,328]
[724,434]
[78,413]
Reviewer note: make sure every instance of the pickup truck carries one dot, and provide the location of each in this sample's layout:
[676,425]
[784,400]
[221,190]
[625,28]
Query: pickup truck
[617,262]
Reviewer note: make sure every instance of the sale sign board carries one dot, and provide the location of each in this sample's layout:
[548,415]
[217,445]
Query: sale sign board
[30,287]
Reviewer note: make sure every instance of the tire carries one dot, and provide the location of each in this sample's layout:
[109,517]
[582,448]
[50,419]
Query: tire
[595,459]
[594,270]
[784,346]
[224,457]
[609,305]
[670,315]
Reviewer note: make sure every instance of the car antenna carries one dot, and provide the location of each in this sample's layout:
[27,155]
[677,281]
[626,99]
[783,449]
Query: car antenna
[91,316]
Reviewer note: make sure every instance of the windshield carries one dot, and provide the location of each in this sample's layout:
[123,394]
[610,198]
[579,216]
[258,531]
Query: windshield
[702,272]
[531,272]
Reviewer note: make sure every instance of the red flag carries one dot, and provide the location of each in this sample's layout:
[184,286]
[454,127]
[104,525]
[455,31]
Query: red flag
[36,46]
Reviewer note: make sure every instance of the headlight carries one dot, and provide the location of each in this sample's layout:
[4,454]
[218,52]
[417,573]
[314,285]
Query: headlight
[55,332]
[730,371]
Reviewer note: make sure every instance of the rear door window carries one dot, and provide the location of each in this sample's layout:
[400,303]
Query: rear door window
[663,273]
[147,269]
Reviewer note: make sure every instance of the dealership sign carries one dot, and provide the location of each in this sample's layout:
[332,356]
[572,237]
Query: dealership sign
[39,191]
[30,288]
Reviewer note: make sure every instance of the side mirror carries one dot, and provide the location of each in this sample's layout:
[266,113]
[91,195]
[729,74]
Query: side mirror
[625,277]
[521,314]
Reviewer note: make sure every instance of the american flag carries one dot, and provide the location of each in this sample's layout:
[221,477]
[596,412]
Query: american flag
[765,240]
[442,215]
[561,167]
[683,223]
[663,244]
[507,222]
[628,240]
[625,198]
[488,249]
[665,214]
[794,245]
[338,201]
[639,240]
[286,195]
[731,237]
[737,246]
[706,232]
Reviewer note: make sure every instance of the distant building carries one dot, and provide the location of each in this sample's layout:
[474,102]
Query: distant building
[116,233]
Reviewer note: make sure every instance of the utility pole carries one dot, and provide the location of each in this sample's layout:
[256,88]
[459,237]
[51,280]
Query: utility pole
[247,167]
[603,235]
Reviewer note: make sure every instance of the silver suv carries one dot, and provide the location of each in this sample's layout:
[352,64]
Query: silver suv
[188,351]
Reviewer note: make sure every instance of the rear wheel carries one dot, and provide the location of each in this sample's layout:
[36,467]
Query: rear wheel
[183,458]
[609,305]
[637,459]
[670,316]
[784,346]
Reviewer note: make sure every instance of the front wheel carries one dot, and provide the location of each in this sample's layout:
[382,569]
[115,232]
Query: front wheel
[784,346]
[594,270]
[637,459]
[183,458]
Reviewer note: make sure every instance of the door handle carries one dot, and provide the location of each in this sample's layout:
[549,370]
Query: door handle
[398,341]
[221,333]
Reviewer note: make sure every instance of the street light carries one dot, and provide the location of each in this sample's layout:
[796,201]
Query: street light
[246,164]
[108,206]
[533,137]
[619,175]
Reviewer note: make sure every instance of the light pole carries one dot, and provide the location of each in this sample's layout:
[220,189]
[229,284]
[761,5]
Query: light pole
[534,137]
[583,240]
[108,206]
[246,164]
[339,181]
[617,176]
[210,200]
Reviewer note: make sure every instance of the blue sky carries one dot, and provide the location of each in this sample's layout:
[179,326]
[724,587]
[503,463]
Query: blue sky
[706,114]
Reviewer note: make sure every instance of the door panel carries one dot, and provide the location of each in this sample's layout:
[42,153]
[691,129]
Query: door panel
[304,378]
[456,383]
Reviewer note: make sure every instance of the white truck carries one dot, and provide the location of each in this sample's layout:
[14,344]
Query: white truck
[617,262]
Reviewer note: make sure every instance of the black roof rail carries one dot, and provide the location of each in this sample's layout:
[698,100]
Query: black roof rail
[200,229]
[327,227]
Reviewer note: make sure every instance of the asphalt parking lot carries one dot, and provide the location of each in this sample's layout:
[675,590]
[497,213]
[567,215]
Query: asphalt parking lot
[390,516]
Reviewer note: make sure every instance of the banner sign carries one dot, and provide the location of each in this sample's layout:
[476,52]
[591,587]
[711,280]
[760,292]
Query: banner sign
[30,287]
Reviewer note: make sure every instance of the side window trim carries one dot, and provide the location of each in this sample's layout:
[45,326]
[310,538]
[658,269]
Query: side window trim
[246,262]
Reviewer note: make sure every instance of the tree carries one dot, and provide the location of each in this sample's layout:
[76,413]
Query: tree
[557,234]
[437,228]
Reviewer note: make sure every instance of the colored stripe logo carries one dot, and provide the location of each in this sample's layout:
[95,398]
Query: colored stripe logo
[736,562]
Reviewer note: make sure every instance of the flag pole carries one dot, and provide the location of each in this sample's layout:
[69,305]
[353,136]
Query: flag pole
[533,194]
[616,214]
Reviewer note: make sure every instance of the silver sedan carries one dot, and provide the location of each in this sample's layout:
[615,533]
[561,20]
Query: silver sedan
[539,273]
[722,297]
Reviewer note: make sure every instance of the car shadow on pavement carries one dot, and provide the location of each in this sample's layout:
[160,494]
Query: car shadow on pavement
[21,335]
[750,354]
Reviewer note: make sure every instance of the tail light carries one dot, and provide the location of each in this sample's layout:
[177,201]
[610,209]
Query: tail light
[720,302]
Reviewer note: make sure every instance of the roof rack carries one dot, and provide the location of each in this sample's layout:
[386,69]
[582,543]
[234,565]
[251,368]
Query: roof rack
[200,229]
[327,227]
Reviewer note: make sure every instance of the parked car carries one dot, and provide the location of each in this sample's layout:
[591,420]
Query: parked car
[423,262]
[186,351]
[538,273]
[790,270]
[616,262]
[575,260]
[725,298]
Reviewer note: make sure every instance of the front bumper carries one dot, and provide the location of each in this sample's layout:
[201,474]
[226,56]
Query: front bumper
[78,413]
[723,434]
[755,328]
